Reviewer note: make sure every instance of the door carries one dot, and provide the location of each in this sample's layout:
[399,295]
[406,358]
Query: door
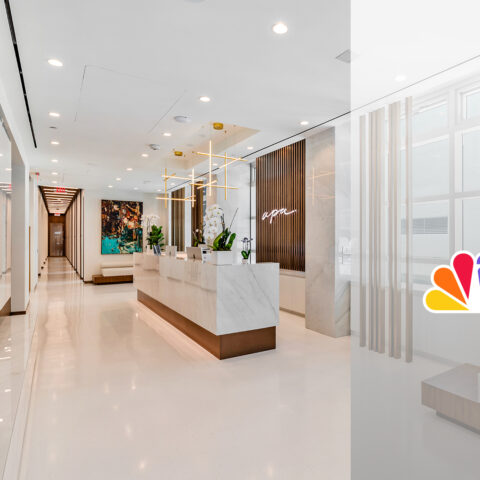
[56,240]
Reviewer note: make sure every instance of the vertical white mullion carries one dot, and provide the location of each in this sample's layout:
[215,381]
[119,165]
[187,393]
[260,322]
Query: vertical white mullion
[392,183]
[408,224]
[362,256]
[380,224]
[371,236]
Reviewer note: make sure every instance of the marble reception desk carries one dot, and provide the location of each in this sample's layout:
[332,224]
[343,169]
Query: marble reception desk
[230,310]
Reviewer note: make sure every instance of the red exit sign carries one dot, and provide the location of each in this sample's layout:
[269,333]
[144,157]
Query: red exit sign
[56,214]
[60,190]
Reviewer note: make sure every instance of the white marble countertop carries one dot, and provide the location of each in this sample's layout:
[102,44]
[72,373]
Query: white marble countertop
[222,299]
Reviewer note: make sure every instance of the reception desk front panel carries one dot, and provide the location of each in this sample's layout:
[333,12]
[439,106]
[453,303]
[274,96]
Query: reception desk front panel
[222,300]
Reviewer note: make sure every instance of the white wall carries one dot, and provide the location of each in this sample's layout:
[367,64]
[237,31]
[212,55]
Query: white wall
[20,223]
[42,237]
[238,176]
[92,234]
[33,221]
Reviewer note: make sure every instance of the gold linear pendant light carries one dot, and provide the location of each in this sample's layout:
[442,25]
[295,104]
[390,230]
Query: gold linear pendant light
[194,181]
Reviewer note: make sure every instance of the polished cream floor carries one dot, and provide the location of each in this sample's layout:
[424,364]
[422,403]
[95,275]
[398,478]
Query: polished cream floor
[120,394]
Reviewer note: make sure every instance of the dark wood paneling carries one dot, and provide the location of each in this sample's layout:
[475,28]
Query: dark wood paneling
[178,219]
[197,211]
[280,183]
[55,219]
[102,280]
[222,346]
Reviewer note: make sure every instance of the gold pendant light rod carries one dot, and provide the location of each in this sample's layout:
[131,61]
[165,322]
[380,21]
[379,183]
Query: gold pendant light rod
[210,168]
[235,159]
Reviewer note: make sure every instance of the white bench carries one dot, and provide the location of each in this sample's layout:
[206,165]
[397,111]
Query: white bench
[114,272]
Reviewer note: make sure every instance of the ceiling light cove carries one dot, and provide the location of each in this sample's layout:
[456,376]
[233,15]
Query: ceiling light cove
[280,28]
[304,123]
[54,114]
[204,99]
[54,62]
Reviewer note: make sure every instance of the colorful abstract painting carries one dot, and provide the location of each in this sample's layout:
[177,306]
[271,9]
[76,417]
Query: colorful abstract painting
[121,227]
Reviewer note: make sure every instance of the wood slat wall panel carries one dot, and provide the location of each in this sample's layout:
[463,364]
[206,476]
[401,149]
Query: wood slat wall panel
[197,212]
[280,183]
[178,220]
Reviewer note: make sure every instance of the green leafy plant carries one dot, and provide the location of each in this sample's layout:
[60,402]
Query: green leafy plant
[224,241]
[155,237]
[245,254]
[198,238]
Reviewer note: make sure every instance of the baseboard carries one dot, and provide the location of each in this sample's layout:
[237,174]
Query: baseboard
[293,312]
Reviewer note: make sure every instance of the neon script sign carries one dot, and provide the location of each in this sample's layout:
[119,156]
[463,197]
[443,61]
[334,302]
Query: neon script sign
[274,213]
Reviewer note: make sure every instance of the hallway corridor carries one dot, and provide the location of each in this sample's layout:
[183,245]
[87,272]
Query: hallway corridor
[119,394]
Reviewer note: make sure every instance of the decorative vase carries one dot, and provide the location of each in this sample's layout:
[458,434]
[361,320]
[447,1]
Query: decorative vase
[157,250]
[244,261]
[221,257]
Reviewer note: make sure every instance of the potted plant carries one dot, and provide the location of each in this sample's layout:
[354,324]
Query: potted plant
[197,237]
[247,249]
[222,243]
[155,239]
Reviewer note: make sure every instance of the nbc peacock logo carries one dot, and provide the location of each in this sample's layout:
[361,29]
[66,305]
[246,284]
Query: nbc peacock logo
[456,287]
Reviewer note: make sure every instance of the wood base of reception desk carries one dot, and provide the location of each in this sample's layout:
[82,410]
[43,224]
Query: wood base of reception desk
[222,346]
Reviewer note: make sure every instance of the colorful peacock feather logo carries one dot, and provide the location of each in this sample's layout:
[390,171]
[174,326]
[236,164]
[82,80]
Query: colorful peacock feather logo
[456,287]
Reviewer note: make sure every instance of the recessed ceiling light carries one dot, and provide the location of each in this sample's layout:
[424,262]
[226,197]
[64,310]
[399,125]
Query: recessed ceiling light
[110,186]
[54,181]
[280,28]
[129,169]
[54,160]
[145,155]
[304,122]
[55,63]
[159,190]
[54,142]
[118,179]
[1,154]
[54,173]
[249,148]
[135,188]
[400,78]
[167,134]
[204,99]
[54,114]
[8,169]
[215,164]
[7,390]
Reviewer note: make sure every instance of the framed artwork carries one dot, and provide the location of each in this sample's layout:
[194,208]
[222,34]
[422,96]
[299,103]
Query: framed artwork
[121,227]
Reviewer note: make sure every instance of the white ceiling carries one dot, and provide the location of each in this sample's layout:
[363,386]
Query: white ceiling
[130,67]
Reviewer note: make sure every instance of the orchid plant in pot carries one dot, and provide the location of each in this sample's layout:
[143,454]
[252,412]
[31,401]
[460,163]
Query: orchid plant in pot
[247,249]
[219,237]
